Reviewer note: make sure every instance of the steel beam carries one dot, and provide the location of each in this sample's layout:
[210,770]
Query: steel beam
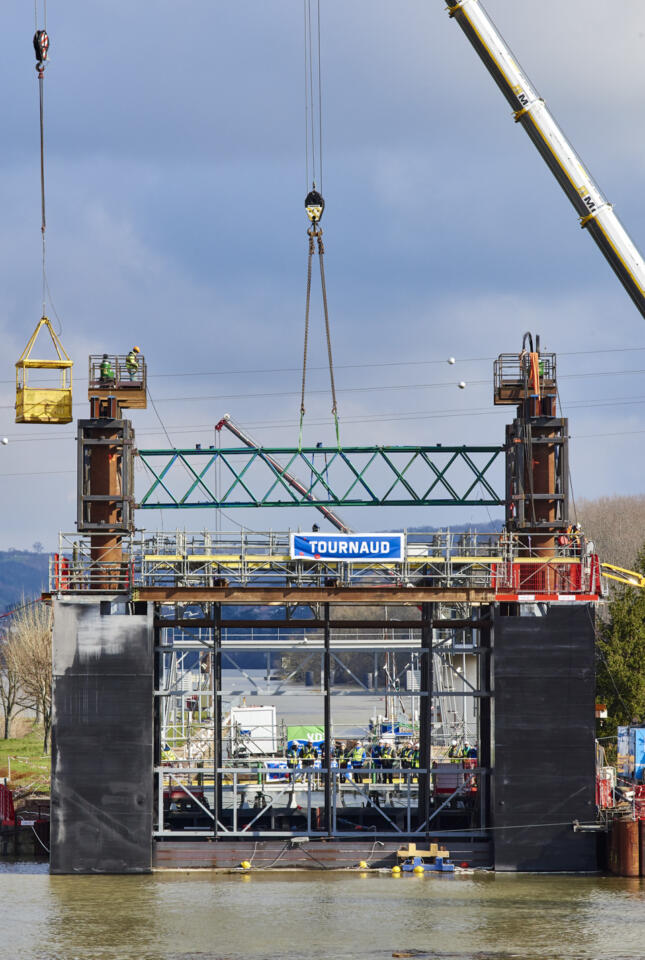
[315,624]
[354,476]
[270,596]
[425,715]
[329,819]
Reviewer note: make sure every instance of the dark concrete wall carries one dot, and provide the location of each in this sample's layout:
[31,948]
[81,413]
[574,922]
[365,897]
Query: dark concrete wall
[102,744]
[543,740]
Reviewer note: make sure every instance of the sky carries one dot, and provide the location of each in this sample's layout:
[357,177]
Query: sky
[175,168]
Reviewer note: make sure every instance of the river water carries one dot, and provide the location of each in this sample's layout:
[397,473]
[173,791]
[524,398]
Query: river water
[208,916]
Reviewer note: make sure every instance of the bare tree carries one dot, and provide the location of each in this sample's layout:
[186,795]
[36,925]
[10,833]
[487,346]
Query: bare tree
[9,689]
[617,527]
[28,650]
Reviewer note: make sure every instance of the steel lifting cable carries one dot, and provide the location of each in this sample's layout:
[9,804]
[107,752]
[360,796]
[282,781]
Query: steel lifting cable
[315,202]
[314,205]
[304,355]
[321,251]
[41,49]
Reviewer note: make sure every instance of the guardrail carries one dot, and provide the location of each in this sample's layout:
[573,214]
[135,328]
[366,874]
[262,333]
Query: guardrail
[283,802]
[510,563]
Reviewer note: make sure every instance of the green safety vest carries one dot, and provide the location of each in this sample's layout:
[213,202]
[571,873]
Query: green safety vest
[131,360]
[358,753]
[106,369]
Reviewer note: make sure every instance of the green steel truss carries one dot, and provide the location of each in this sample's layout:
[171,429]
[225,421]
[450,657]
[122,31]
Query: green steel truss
[354,476]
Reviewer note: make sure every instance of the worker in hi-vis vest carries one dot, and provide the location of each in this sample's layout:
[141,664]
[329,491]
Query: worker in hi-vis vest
[107,372]
[132,362]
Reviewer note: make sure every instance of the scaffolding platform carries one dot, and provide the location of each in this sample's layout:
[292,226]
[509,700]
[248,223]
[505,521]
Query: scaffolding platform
[126,384]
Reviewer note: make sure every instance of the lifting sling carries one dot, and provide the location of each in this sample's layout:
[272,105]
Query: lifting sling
[314,205]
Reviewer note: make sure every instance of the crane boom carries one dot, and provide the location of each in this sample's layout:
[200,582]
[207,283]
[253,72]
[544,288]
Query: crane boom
[281,471]
[595,212]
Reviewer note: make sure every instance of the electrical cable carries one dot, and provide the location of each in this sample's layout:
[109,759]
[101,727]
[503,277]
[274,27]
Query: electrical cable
[174,447]
[601,654]
[366,366]
[381,388]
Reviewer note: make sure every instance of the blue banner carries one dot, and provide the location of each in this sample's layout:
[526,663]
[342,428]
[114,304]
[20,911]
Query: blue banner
[348,547]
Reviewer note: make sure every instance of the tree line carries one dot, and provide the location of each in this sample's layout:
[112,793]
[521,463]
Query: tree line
[615,524]
[26,667]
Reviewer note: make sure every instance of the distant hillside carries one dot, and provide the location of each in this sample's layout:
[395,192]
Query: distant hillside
[491,526]
[22,573]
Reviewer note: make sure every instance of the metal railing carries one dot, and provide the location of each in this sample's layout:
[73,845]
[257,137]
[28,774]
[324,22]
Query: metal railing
[511,375]
[290,802]
[120,376]
[77,567]
[505,562]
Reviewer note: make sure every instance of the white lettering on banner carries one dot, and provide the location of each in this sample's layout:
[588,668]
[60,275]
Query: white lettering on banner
[338,547]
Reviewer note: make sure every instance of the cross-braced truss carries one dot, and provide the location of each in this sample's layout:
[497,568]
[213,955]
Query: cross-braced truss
[354,476]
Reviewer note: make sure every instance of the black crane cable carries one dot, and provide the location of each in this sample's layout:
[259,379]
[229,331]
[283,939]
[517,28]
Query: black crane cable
[314,205]
[41,49]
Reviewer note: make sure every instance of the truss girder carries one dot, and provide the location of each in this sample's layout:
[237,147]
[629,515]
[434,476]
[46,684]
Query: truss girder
[354,476]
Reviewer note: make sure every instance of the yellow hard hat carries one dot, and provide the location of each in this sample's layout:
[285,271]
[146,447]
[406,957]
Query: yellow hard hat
[136,350]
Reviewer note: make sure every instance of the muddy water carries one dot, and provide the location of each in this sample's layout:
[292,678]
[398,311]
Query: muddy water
[297,915]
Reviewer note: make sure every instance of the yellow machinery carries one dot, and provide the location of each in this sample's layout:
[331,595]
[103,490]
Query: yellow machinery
[44,404]
[630,577]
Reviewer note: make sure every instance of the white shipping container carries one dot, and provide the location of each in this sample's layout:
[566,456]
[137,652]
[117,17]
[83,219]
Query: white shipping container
[254,728]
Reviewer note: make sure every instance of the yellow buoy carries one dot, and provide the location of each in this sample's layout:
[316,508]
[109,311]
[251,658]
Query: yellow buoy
[44,404]
[418,869]
[363,865]
[396,870]
[245,865]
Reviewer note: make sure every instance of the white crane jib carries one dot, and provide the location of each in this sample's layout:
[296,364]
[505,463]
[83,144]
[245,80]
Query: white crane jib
[595,213]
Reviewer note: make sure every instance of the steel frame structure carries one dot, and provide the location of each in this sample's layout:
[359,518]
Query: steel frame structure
[354,476]
[414,806]
[257,567]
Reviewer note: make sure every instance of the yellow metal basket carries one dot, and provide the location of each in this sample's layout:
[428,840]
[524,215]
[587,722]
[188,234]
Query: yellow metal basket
[44,404]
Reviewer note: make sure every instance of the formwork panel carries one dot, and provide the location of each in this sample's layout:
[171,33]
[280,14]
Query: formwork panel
[102,745]
[544,740]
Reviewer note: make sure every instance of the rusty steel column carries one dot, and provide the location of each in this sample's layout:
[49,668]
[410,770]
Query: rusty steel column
[105,480]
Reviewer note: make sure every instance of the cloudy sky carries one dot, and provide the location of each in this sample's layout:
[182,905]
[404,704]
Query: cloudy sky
[175,182]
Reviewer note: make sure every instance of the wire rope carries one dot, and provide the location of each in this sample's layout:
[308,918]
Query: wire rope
[320,159]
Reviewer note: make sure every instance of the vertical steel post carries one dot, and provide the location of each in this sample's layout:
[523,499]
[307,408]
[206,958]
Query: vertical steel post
[217,715]
[425,716]
[327,687]
[485,752]
[157,778]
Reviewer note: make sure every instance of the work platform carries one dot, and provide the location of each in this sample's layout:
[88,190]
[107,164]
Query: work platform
[261,568]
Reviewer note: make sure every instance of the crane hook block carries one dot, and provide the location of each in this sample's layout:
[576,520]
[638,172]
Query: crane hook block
[41,45]
[314,205]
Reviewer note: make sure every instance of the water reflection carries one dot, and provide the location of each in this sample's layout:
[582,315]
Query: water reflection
[349,916]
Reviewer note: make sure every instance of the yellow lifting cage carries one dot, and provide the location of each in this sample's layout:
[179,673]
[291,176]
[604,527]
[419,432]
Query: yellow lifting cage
[44,404]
